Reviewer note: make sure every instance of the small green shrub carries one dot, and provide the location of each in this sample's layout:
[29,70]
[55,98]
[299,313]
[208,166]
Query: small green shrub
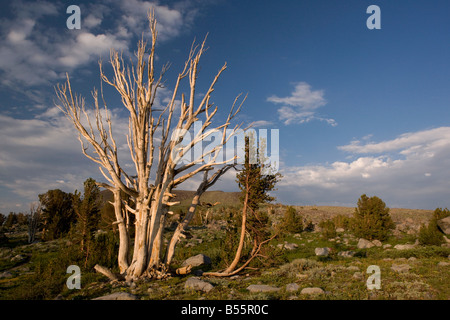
[328,229]
[292,221]
[430,234]
[342,221]
[440,213]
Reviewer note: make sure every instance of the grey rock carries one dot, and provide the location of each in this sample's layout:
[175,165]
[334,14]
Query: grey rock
[312,291]
[197,261]
[322,252]
[292,287]
[387,246]
[400,267]
[197,284]
[364,244]
[346,254]
[377,243]
[290,246]
[443,264]
[353,268]
[339,230]
[262,288]
[118,296]
[444,225]
[404,246]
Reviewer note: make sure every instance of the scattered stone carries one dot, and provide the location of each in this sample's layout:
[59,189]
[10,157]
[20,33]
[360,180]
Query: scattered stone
[387,246]
[411,259]
[444,225]
[339,230]
[358,276]
[197,284]
[197,261]
[262,288]
[118,296]
[377,243]
[364,244]
[292,287]
[322,252]
[401,267]
[353,268]
[312,291]
[404,246]
[302,276]
[443,264]
[346,254]
[288,246]
[5,274]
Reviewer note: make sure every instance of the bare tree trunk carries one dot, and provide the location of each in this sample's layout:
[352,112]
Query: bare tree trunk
[180,228]
[137,87]
[124,237]
[33,221]
[237,257]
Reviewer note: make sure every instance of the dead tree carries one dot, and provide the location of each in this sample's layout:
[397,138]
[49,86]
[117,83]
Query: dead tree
[151,129]
[33,221]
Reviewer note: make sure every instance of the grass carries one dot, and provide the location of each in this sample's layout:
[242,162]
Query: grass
[47,263]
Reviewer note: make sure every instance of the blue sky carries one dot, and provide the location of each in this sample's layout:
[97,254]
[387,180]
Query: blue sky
[358,110]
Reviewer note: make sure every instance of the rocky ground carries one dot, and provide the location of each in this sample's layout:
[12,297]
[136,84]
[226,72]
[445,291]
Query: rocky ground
[308,267]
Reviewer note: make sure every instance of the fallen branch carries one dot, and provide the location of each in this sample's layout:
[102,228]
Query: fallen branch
[229,274]
[106,272]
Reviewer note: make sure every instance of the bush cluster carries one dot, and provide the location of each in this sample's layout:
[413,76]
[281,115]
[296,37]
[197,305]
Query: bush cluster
[430,234]
[371,219]
[292,221]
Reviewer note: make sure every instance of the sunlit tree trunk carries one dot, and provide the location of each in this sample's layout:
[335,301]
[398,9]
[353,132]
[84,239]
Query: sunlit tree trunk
[137,86]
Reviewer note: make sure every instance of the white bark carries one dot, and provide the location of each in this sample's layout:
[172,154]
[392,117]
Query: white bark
[137,86]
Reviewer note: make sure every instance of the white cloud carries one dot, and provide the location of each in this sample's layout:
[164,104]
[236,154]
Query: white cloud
[261,123]
[301,105]
[407,143]
[33,52]
[416,175]
[44,153]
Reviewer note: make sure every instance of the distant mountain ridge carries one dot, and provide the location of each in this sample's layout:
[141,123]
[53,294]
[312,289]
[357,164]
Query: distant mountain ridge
[185,197]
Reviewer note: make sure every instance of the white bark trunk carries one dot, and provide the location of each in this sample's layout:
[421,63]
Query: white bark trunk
[124,238]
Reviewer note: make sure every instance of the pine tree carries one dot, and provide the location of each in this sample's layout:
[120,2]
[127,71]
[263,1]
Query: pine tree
[87,210]
[372,219]
[255,187]
[57,213]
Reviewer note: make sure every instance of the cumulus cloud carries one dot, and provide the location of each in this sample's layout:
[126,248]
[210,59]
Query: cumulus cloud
[34,52]
[301,106]
[261,123]
[409,171]
[44,153]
